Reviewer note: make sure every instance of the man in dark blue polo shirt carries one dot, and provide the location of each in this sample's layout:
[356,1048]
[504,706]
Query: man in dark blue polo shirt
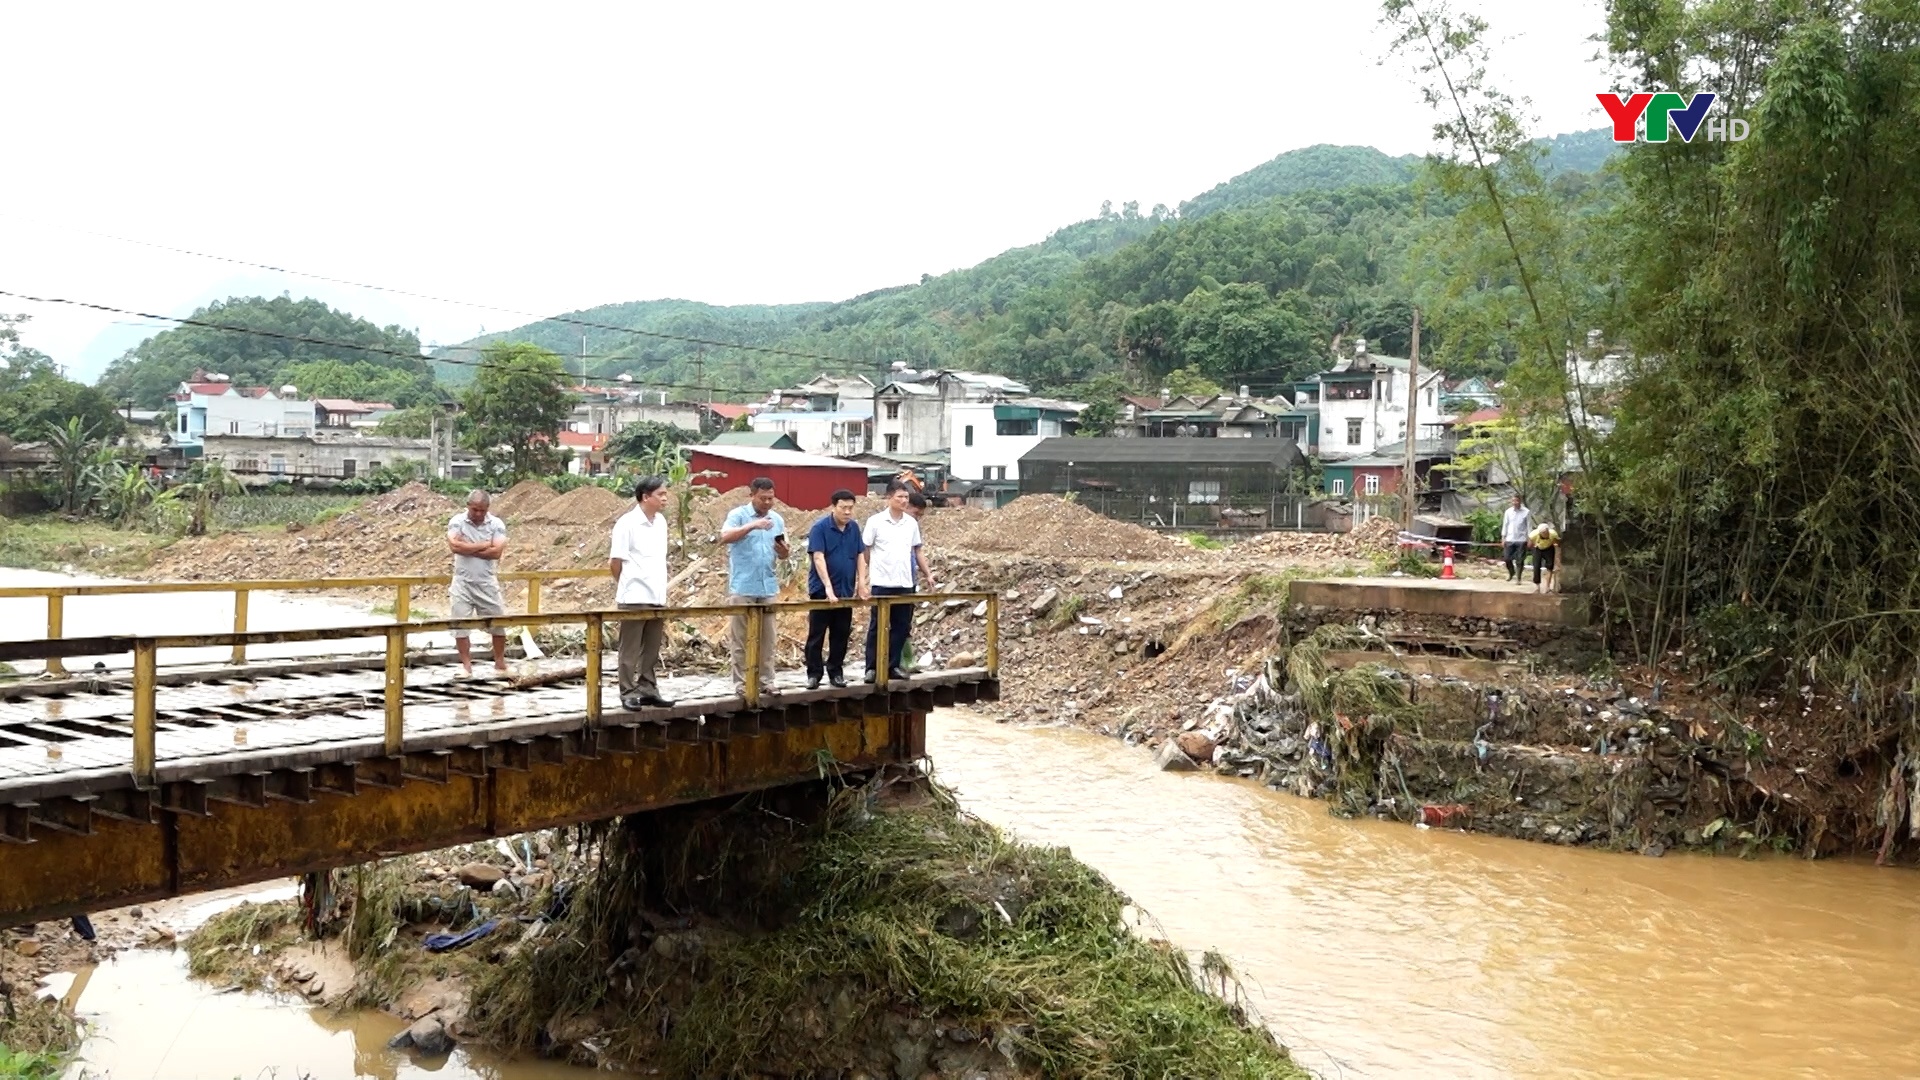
[834,551]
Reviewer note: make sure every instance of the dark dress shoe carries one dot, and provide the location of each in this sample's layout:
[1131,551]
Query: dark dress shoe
[813,682]
[839,681]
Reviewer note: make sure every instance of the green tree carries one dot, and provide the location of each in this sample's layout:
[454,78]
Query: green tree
[255,341]
[643,442]
[1762,470]
[34,395]
[73,445]
[191,503]
[518,404]
[1189,382]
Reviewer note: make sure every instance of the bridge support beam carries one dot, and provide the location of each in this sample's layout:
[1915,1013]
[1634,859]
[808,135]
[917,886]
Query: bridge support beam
[274,826]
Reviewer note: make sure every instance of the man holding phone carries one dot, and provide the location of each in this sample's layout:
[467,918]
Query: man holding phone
[756,540]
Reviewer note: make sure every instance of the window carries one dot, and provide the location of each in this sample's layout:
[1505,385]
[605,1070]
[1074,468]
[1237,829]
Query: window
[277,464]
[999,472]
[373,466]
[969,435]
[1338,487]
[233,427]
[1016,427]
[893,443]
[1429,397]
[1353,432]
[183,423]
[1373,484]
[1203,491]
[893,410]
[1386,390]
[349,468]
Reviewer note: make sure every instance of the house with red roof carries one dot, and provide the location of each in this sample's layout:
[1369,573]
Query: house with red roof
[209,403]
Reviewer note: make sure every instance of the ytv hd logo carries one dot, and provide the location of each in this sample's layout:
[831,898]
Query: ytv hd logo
[1664,111]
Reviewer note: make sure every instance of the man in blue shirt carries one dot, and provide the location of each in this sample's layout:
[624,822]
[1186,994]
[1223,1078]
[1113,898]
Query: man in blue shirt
[834,552]
[756,539]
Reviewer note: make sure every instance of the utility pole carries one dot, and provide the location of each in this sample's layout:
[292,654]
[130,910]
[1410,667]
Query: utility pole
[1409,483]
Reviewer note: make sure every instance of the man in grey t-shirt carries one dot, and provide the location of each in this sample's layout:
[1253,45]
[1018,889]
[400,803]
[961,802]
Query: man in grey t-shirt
[477,539]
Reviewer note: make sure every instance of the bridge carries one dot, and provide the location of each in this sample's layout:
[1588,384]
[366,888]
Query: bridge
[146,779]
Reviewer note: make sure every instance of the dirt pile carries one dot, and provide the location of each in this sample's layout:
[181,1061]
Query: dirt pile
[1048,526]
[584,506]
[522,498]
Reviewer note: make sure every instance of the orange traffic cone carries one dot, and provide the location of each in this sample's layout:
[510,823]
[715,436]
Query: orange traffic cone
[1446,562]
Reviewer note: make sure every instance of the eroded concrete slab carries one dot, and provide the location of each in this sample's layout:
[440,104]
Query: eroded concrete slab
[1461,598]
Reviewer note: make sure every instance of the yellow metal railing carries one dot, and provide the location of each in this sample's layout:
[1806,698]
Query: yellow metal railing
[146,649]
[402,585]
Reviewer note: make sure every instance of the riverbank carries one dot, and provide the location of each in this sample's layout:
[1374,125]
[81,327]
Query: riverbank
[868,930]
[1151,639]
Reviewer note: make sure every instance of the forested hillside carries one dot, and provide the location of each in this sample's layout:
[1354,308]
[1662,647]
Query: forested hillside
[359,360]
[1248,283]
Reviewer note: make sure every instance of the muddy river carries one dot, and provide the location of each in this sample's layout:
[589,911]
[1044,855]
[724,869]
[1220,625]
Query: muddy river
[1374,950]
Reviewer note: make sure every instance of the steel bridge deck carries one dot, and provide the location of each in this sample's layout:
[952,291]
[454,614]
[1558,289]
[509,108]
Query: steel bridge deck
[275,769]
[75,737]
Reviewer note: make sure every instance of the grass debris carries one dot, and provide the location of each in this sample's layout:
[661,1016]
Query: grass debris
[750,943]
[223,948]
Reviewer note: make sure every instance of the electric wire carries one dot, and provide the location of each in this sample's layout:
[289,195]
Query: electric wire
[562,319]
[612,381]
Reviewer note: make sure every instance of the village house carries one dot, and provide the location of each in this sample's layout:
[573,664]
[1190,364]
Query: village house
[766,440]
[606,410]
[1363,403]
[992,436]
[321,458]
[829,414]
[913,410]
[209,404]
[347,413]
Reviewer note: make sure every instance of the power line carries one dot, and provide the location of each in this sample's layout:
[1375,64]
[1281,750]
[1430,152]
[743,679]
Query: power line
[563,319]
[347,346]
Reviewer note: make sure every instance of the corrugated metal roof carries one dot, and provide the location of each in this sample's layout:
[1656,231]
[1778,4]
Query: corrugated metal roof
[1279,452]
[757,455]
[772,440]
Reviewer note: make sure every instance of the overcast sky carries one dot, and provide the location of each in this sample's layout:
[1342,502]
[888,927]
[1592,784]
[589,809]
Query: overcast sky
[550,157]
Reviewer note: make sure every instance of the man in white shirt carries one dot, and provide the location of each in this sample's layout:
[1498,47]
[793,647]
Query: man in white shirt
[638,559]
[1514,526]
[477,539]
[887,568]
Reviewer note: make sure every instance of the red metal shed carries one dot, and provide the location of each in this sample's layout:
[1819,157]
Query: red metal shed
[802,481]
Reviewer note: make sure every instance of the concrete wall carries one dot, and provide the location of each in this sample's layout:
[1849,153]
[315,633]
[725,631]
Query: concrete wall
[257,462]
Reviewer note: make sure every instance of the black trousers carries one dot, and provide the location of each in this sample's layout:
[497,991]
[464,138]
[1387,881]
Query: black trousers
[1515,556]
[1542,560]
[828,631]
[899,628]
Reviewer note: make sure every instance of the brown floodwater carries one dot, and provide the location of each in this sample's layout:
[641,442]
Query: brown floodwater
[1372,949]
[1376,949]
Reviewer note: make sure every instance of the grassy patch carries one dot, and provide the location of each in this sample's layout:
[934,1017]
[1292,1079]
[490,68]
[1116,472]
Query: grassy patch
[1410,563]
[1257,592]
[1067,611]
[224,949]
[855,922]
[51,542]
[255,511]
[1205,542]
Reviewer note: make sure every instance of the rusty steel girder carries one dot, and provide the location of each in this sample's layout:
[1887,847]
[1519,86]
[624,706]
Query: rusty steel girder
[193,838]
